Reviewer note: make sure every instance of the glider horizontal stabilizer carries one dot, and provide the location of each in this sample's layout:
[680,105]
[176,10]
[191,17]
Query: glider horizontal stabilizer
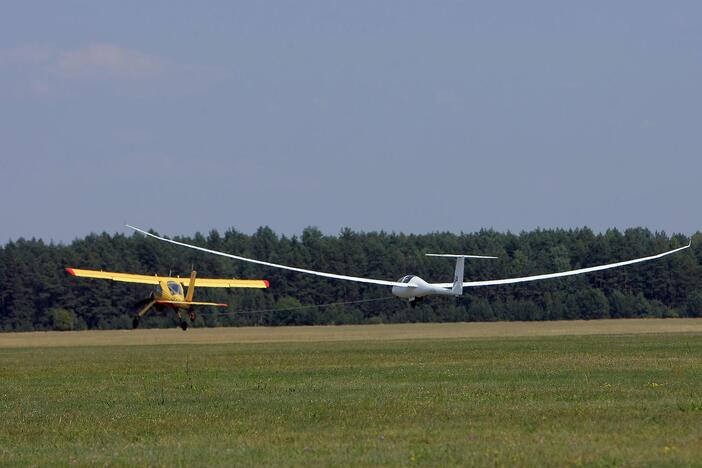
[457,256]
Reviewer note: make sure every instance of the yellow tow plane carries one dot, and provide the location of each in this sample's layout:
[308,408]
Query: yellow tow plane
[169,290]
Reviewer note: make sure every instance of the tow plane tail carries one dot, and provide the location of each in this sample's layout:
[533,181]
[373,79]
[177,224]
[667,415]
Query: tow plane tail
[191,287]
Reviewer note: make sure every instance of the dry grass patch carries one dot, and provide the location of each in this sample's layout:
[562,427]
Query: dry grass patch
[349,332]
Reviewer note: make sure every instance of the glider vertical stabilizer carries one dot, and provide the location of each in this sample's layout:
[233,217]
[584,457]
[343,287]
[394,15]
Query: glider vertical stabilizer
[458,274]
[457,289]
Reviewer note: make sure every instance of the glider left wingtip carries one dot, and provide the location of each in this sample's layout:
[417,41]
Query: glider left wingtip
[139,230]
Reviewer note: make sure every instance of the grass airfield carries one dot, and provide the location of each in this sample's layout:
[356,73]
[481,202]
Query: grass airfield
[610,392]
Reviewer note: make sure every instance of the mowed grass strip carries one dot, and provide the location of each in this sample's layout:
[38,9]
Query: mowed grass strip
[604,400]
[405,331]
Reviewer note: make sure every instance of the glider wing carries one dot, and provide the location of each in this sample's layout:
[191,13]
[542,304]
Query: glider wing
[275,265]
[579,271]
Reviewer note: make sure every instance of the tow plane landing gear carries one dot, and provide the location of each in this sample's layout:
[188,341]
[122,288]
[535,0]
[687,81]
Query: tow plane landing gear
[183,322]
[145,305]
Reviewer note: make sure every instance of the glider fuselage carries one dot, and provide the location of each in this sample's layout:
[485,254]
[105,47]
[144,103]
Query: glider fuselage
[417,287]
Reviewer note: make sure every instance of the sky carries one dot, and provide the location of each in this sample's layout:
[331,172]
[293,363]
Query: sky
[400,116]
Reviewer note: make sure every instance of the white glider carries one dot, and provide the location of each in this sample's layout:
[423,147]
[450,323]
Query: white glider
[413,287]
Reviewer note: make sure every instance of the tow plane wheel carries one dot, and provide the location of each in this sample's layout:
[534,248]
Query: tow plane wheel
[184,325]
[135,322]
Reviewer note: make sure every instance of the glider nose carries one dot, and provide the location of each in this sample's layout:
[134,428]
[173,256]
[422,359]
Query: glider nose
[405,293]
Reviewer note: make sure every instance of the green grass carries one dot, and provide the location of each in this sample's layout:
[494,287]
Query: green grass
[598,400]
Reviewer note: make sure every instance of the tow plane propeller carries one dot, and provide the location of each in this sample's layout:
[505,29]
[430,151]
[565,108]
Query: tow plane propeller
[168,293]
[413,287]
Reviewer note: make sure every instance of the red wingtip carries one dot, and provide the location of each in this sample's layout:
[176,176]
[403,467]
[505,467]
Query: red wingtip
[71,272]
[222,305]
[267,283]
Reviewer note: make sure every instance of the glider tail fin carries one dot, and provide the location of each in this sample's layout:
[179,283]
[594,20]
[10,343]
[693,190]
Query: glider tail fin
[457,288]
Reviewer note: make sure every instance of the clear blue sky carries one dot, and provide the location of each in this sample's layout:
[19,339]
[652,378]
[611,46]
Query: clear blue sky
[394,115]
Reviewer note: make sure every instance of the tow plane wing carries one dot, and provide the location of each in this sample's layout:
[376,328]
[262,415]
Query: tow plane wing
[191,303]
[146,279]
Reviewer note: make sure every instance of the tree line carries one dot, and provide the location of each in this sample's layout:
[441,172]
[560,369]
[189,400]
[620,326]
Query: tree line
[37,294]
